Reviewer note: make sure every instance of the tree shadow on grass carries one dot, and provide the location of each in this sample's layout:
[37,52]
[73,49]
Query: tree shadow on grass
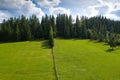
[105,44]
[109,50]
[11,42]
[45,45]
[114,49]
[94,41]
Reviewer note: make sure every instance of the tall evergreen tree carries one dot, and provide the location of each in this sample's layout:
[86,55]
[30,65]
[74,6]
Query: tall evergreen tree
[78,30]
[17,33]
[51,38]
[70,27]
[112,40]
[52,22]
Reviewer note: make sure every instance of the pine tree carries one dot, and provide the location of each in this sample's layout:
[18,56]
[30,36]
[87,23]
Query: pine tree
[51,38]
[52,21]
[112,41]
[17,33]
[39,32]
[34,25]
[78,28]
[71,26]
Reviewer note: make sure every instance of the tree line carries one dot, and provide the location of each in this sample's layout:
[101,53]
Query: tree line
[95,28]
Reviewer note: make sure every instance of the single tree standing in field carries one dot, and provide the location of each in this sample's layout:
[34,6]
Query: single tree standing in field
[51,43]
[51,38]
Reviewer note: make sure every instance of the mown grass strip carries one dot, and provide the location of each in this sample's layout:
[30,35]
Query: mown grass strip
[54,64]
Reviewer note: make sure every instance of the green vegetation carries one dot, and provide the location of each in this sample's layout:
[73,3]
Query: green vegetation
[63,26]
[51,38]
[86,60]
[26,61]
[75,60]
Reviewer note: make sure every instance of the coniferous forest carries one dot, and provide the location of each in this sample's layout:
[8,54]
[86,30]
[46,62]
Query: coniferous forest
[95,28]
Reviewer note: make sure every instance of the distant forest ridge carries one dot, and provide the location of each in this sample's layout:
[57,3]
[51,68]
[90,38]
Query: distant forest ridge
[96,28]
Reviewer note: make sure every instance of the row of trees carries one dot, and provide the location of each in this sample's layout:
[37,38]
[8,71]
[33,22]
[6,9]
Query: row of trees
[95,28]
[20,29]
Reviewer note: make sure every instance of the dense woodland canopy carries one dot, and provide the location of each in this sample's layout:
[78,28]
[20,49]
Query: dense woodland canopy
[95,28]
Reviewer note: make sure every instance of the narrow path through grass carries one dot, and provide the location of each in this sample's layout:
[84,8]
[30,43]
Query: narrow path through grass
[54,64]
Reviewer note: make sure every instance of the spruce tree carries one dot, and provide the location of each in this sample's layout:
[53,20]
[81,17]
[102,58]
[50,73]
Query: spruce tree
[52,21]
[112,40]
[78,28]
[51,38]
[17,33]
[71,27]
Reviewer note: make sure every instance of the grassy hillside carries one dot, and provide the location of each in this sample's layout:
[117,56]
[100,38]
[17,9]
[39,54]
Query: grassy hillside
[86,60]
[25,61]
[75,60]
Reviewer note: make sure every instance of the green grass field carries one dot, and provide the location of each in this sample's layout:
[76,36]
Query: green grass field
[25,61]
[75,60]
[86,60]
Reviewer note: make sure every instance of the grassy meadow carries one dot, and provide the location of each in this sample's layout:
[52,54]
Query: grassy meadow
[25,61]
[75,60]
[86,60]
